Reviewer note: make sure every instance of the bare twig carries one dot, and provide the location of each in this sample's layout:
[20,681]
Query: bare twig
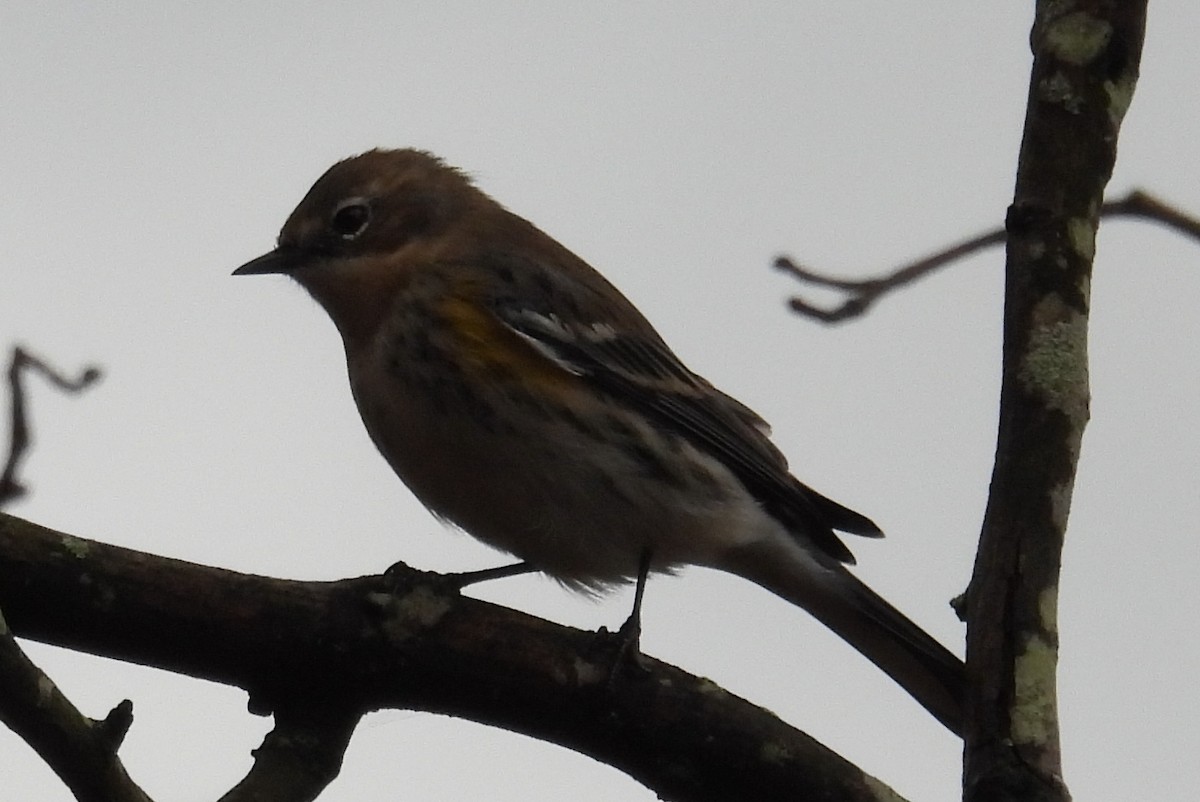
[862,293]
[20,438]
[81,751]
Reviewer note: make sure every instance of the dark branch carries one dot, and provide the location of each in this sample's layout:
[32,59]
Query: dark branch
[1085,67]
[402,641]
[20,438]
[861,294]
[301,756]
[82,752]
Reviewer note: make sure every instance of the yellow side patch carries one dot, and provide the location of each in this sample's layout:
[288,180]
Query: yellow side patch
[489,347]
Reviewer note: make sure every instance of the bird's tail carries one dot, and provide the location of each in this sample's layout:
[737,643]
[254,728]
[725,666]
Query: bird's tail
[922,666]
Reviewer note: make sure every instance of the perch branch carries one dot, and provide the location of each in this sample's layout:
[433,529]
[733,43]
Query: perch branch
[401,641]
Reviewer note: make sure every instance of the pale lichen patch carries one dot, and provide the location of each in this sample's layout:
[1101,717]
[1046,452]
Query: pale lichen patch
[1078,37]
[76,547]
[1035,706]
[1120,95]
[1055,364]
[1060,495]
[1057,89]
[589,673]
[425,606]
[1081,233]
[412,613]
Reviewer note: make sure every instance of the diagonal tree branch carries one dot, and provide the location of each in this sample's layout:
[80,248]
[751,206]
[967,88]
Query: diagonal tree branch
[327,651]
[81,751]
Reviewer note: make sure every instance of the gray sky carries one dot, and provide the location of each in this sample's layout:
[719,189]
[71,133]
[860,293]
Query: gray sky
[150,150]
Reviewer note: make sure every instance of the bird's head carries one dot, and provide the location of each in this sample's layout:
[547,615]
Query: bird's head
[364,223]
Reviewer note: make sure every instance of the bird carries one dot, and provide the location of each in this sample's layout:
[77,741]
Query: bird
[523,399]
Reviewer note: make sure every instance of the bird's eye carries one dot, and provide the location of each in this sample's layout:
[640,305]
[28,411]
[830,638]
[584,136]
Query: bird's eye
[351,218]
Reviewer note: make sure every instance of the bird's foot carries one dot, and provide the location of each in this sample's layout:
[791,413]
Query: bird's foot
[620,651]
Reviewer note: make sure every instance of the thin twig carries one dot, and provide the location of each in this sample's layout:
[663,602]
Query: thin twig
[80,750]
[862,293]
[20,438]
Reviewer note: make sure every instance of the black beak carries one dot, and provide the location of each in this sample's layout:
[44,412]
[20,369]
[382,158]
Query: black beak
[280,260]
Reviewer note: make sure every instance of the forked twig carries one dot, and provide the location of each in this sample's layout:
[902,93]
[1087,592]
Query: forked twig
[862,293]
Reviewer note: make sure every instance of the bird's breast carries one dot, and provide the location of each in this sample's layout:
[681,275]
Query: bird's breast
[525,460]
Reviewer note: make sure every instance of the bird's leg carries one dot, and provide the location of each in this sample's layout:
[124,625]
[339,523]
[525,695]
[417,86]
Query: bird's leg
[631,630]
[623,647]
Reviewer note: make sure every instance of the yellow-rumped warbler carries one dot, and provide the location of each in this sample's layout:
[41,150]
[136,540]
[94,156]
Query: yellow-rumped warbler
[521,397]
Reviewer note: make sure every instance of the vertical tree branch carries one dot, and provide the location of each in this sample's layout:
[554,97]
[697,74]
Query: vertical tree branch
[1086,57]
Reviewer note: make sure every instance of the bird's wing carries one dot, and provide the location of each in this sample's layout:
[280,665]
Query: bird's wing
[641,371]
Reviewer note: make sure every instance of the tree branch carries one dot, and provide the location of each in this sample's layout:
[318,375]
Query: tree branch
[1086,57]
[301,756]
[861,294]
[316,652]
[19,437]
[81,751]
